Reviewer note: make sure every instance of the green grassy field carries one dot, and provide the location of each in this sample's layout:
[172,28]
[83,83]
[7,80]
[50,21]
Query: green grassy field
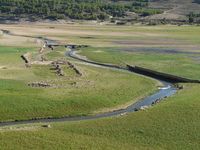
[96,90]
[170,125]
[178,64]
[173,124]
[169,49]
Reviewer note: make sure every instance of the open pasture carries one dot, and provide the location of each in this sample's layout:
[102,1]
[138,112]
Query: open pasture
[97,90]
[172,124]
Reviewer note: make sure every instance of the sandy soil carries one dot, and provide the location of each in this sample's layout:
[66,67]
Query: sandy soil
[8,40]
[99,36]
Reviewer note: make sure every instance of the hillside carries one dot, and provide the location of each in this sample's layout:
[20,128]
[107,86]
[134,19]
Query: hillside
[175,9]
[102,10]
[73,9]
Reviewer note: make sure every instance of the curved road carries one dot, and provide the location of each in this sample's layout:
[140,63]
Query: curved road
[161,94]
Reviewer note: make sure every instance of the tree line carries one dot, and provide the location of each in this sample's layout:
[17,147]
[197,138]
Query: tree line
[75,9]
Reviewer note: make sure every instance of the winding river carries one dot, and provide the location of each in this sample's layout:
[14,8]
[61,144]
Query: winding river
[167,90]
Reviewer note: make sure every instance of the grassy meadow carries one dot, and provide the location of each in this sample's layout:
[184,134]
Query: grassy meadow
[172,124]
[71,95]
[167,49]
[181,64]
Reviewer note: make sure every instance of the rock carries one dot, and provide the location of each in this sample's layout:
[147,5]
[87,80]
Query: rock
[157,101]
[28,65]
[46,126]
[24,58]
[73,83]
[122,114]
[51,47]
[144,107]
[180,87]
[4,68]
[61,73]
[74,68]
[39,84]
[136,109]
